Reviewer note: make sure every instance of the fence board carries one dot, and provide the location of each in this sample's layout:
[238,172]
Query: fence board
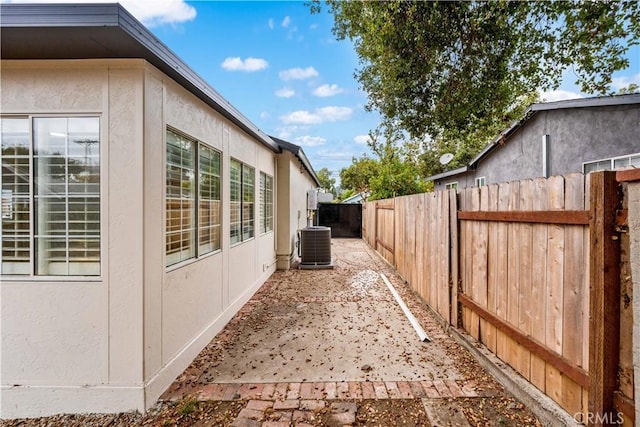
[586,283]
[555,272]
[525,270]
[477,251]
[573,315]
[454,256]
[482,265]
[443,250]
[513,276]
[539,283]
[502,290]
[493,253]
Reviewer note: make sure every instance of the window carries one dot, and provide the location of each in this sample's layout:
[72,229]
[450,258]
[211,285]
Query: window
[209,202]
[480,181]
[248,178]
[266,203]
[184,193]
[451,186]
[241,195]
[632,160]
[181,221]
[50,196]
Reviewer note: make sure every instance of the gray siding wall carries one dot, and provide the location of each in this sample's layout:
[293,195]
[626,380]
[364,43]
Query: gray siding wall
[576,136]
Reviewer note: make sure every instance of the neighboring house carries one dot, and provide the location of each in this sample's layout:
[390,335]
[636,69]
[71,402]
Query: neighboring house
[557,138]
[140,211]
[356,198]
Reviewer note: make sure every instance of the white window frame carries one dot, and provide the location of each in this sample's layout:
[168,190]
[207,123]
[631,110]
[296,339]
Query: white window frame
[611,161]
[480,181]
[266,203]
[451,185]
[69,276]
[198,252]
[244,167]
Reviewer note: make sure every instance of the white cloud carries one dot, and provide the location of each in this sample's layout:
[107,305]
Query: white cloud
[150,13]
[327,90]
[286,132]
[249,64]
[334,155]
[313,26]
[271,24]
[618,83]
[362,139]
[309,141]
[558,95]
[321,115]
[298,73]
[264,115]
[286,21]
[285,92]
[334,114]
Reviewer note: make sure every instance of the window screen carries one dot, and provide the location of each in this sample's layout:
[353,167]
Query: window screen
[51,196]
[235,196]
[266,203]
[209,201]
[180,199]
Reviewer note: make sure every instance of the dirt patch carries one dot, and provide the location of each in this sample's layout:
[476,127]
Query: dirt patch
[496,411]
[186,412]
[398,412]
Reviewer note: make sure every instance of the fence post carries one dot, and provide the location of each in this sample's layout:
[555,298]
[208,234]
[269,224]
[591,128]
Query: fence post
[604,298]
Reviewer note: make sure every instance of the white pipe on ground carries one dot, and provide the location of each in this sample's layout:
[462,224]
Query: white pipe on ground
[414,322]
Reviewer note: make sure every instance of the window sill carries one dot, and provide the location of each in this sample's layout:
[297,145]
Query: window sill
[190,261]
[240,243]
[56,279]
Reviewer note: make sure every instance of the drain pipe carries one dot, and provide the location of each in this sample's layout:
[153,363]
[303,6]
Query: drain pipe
[414,322]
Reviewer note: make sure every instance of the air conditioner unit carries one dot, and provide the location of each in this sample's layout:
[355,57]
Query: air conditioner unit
[315,247]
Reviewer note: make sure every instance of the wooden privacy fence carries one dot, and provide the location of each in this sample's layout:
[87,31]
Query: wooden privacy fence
[532,270]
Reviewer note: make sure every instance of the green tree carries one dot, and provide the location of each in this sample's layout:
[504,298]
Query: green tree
[395,172]
[432,66]
[326,182]
[358,175]
[632,88]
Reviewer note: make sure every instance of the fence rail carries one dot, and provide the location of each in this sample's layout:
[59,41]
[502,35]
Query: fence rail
[533,269]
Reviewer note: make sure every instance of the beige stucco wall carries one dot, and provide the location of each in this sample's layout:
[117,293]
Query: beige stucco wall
[116,343]
[292,182]
[70,345]
[196,298]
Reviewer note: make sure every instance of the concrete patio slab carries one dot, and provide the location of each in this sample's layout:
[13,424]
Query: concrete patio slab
[331,325]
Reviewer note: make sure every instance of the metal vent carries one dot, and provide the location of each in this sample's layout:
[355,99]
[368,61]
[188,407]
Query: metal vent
[315,246]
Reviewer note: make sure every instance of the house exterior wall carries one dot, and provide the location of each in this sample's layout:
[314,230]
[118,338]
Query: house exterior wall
[117,342]
[292,184]
[576,135]
[70,344]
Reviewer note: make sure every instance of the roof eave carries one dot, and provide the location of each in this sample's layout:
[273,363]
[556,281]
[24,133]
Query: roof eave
[114,16]
[448,174]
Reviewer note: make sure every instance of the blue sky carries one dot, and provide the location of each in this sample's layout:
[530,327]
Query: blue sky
[282,68]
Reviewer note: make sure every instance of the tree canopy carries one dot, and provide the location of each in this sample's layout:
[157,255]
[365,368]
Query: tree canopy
[395,171]
[326,182]
[430,66]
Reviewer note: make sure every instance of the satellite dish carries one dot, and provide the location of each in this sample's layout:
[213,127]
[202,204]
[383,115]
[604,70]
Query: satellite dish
[446,158]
